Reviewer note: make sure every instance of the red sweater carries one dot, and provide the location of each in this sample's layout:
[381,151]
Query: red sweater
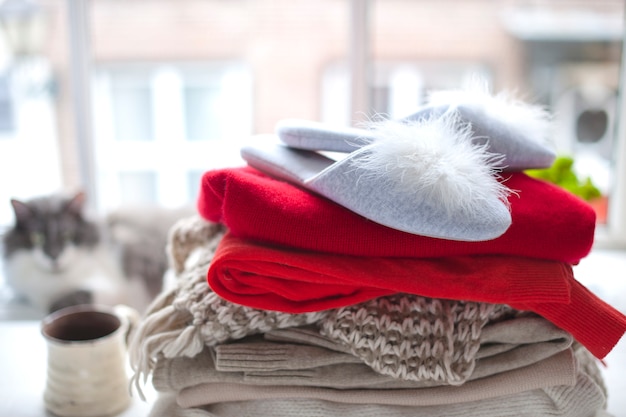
[547,222]
[296,281]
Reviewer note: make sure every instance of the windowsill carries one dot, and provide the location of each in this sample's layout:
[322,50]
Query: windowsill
[605,239]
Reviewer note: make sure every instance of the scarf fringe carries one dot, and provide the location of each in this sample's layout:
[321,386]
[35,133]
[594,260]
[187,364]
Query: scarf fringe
[162,330]
[167,329]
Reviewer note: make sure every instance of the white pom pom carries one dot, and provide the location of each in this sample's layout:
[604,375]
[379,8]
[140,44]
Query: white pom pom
[531,121]
[435,159]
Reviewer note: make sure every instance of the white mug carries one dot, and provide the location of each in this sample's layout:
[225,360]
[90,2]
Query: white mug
[87,360]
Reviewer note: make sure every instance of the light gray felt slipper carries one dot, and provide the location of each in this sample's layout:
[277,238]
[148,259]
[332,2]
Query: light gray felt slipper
[425,178]
[316,136]
[517,130]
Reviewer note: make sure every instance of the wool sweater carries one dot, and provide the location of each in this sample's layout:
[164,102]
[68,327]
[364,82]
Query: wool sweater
[547,222]
[296,281]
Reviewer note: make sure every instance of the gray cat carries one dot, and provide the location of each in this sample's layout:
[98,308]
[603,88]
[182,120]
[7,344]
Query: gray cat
[54,256]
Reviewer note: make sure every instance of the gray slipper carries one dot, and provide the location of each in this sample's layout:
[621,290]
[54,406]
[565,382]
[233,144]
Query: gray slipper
[516,130]
[316,136]
[424,178]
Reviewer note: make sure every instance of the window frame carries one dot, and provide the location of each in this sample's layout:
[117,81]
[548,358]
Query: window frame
[612,235]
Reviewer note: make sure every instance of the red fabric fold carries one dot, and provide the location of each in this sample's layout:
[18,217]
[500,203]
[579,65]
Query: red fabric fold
[592,322]
[547,222]
[296,281]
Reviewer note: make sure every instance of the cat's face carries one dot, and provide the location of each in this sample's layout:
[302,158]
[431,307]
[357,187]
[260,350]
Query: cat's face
[50,228]
[53,250]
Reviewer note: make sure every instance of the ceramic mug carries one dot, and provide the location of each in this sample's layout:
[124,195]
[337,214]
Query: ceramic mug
[87,373]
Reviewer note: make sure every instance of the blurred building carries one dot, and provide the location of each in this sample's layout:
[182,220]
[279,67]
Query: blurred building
[174,86]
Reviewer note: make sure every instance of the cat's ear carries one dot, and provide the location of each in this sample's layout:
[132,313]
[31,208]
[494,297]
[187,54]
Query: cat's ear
[76,203]
[22,210]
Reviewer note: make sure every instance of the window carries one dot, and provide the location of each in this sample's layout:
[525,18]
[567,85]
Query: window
[201,108]
[138,187]
[193,184]
[564,55]
[131,104]
[7,123]
[177,85]
[202,94]
[30,155]
[170,119]
[396,89]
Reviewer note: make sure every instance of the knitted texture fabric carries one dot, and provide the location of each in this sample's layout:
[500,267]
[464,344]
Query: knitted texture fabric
[511,406]
[439,339]
[547,222]
[296,281]
[585,398]
[414,338]
[301,356]
[185,318]
[582,398]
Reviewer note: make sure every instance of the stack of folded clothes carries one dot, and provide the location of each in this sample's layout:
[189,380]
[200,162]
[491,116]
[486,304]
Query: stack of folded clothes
[367,286]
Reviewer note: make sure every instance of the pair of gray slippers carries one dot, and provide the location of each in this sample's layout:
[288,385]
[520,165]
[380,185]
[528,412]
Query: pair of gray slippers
[436,173]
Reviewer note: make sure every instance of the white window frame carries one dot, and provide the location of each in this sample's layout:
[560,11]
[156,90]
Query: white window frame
[613,234]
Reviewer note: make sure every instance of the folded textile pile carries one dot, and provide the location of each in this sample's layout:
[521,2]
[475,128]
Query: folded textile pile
[292,298]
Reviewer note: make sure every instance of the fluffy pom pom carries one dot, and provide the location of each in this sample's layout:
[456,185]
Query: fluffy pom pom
[531,121]
[436,160]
